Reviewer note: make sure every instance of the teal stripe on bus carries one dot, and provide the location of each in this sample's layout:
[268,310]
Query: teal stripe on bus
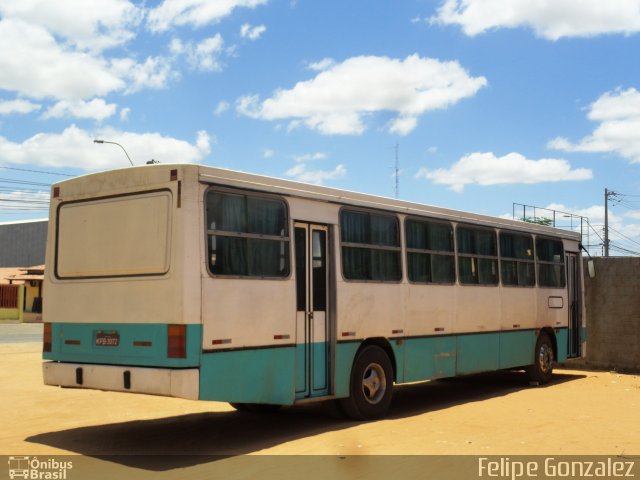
[426,358]
[345,354]
[517,348]
[75,342]
[260,375]
[562,339]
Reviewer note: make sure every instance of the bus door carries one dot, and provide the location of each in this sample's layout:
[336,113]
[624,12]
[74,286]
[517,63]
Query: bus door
[574,294]
[312,325]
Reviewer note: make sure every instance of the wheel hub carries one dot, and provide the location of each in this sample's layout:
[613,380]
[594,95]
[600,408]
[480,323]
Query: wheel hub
[374,383]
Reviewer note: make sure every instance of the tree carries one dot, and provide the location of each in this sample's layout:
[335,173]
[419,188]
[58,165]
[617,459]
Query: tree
[547,222]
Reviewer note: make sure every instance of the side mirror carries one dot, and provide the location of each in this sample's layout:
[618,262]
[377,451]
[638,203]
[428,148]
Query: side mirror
[592,268]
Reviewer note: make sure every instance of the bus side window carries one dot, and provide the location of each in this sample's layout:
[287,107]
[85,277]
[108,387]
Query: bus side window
[550,259]
[517,267]
[248,235]
[430,255]
[477,256]
[370,246]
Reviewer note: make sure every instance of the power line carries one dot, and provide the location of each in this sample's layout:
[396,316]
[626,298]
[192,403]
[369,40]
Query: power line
[36,171]
[625,237]
[24,182]
[623,250]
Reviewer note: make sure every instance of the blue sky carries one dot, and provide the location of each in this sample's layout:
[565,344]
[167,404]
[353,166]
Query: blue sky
[489,101]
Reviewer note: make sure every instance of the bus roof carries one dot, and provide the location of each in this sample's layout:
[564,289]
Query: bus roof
[292,188]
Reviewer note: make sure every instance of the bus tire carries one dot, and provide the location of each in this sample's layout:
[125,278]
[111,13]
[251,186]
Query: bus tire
[371,385]
[541,370]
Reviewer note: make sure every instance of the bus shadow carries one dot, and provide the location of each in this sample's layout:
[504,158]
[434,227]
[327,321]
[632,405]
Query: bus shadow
[423,397]
[194,439]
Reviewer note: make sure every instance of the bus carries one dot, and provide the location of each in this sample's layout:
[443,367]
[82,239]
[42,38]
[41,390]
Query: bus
[210,284]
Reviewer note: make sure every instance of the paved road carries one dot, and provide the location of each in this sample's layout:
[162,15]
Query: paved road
[20,332]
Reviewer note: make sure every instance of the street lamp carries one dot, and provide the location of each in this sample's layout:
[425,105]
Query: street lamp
[114,143]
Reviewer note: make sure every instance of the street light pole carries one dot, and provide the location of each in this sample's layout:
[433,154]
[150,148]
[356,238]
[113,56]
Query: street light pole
[114,143]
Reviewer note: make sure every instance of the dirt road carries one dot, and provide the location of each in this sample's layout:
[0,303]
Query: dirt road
[495,414]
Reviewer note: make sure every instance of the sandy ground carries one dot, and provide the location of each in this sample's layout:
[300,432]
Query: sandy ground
[581,412]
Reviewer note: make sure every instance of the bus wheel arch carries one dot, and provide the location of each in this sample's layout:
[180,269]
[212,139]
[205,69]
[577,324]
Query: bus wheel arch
[384,344]
[370,384]
[552,336]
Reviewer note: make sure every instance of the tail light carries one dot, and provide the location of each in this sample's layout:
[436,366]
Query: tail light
[177,341]
[46,338]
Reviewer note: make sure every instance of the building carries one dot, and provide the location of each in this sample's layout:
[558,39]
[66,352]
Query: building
[23,243]
[21,293]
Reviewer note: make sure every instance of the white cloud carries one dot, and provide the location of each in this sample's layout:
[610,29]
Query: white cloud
[488,169]
[337,99]
[74,148]
[203,142]
[197,13]
[96,109]
[268,153]
[252,33]
[103,24]
[635,214]
[154,73]
[36,66]
[222,107]
[309,157]
[403,125]
[7,107]
[124,114]
[203,56]
[301,172]
[323,64]
[176,46]
[24,200]
[549,19]
[619,130]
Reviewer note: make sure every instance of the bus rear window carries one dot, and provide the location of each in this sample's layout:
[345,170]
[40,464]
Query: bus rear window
[127,235]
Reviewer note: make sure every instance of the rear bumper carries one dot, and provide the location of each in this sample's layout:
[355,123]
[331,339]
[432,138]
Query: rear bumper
[181,383]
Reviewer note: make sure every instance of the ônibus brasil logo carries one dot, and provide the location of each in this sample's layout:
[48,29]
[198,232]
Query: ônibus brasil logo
[33,469]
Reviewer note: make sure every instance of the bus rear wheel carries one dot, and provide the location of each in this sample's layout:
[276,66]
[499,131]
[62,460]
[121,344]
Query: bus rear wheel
[542,369]
[371,385]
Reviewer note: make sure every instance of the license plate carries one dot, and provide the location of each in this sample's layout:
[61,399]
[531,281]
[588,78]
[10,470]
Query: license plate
[107,339]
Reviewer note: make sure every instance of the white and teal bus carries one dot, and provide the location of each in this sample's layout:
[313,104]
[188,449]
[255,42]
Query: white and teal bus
[203,283]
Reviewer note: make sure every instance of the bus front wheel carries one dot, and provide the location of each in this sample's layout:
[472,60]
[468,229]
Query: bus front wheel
[542,369]
[371,385]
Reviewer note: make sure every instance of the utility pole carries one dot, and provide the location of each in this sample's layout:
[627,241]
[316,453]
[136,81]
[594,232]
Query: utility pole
[397,171]
[606,222]
[607,194]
